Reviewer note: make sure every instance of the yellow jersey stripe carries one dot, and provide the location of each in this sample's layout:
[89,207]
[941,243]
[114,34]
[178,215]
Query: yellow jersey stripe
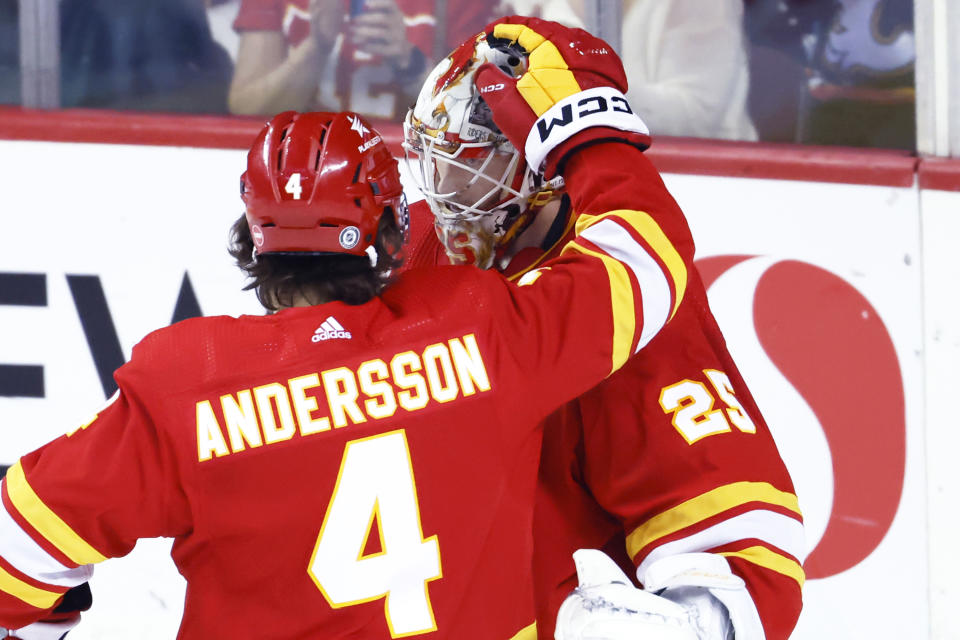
[622,303]
[529,632]
[705,506]
[35,597]
[45,521]
[644,224]
[771,560]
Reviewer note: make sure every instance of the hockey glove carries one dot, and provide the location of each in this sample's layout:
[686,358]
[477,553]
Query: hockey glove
[573,81]
[607,605]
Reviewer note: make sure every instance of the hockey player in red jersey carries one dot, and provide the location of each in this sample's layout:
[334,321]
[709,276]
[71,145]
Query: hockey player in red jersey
[358,463]
[667,465]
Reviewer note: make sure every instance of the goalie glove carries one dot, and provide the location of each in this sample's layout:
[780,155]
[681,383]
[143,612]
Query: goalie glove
[573,81]
[607,606]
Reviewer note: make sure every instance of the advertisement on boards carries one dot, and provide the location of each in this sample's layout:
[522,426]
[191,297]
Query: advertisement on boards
[817,288]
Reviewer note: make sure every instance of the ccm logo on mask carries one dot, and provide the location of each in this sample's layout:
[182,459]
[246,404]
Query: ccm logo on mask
[583,108]
[492,87]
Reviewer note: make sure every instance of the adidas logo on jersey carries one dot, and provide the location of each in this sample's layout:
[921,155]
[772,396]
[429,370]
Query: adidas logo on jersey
[330,329]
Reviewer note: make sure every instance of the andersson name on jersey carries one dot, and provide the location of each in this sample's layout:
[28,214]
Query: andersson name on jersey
[277,411]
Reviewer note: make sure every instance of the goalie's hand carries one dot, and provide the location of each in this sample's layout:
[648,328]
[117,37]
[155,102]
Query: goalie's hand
[607,606]
[574,81]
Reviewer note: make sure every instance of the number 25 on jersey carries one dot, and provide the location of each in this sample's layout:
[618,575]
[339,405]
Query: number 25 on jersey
[692,406]
[376,492]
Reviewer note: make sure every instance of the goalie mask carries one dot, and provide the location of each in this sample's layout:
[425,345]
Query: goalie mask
[479,188]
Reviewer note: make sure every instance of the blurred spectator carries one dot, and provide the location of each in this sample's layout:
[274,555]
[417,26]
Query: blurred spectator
[686,62]
[368,56]
[565,12]
[9,52]
[861,84]
[845,65]
[780,33]
[464,18]
[221,14]
[687,67]
[155,55]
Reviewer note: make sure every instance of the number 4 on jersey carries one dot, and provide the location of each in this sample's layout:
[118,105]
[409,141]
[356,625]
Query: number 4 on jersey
[376,490]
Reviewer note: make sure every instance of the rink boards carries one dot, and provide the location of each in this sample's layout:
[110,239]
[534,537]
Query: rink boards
[836,292]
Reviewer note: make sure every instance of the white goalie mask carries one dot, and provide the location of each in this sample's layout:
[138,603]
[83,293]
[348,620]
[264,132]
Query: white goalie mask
[479,188]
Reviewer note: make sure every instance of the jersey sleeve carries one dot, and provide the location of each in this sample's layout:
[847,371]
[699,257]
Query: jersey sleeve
[623,208]
[670,456]
[613,287]
[691,466]
[627,219]
[117,466]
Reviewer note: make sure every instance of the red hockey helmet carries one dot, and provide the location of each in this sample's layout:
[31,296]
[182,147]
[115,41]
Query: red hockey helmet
[319,183]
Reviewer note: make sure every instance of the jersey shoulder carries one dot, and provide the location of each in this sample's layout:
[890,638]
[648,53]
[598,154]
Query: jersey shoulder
[441,288]
[198,348]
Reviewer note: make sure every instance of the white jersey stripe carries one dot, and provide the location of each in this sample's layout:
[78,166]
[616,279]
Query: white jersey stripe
[783,532]
[31,559]
[617,242]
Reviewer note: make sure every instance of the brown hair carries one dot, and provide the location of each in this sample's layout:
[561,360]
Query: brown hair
[277,278]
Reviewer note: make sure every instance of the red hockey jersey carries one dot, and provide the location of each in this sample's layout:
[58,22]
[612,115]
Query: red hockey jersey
[671,455]
[347,471]
[668,455]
